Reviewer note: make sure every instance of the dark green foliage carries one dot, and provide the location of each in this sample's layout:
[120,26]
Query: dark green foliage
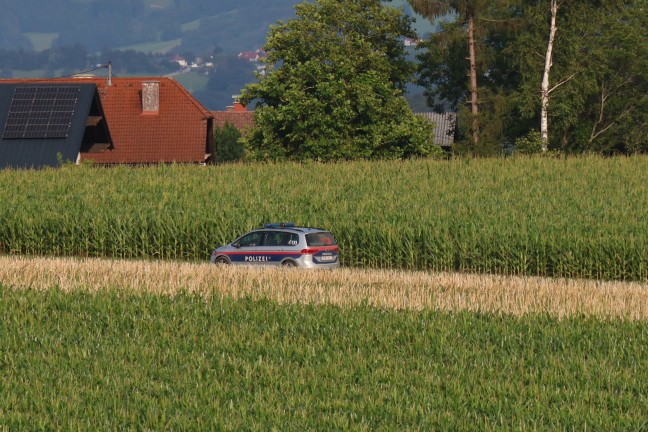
[599,75]
[334,87]
[228,147]
[116,361]
[443,70]
[601,68]
[529,144]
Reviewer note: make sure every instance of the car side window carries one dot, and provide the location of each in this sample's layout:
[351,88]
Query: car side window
[252,239]
[290,239]
[281,238]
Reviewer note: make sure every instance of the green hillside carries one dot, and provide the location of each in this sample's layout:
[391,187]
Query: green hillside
[123,23]
[229,24]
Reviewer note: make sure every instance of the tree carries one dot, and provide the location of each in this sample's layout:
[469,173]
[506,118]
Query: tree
[479,31]
[333,86]
[466,11]
[599,54]
[545,90]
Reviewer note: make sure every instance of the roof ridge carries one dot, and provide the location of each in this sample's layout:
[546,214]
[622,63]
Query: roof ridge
[207,113]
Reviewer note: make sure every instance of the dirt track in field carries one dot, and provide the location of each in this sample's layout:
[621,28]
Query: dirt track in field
[344,287]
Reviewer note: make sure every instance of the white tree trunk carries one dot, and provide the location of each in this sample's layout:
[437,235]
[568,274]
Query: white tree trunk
[544,123]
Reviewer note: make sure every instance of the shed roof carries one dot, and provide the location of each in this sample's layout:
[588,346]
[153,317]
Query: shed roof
[445,126]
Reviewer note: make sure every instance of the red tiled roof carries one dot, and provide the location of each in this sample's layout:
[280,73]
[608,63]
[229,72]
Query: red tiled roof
[241,120]
[249,55]
[178,132]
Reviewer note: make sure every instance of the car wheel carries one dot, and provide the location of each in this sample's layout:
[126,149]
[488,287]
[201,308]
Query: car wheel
[221,260]
[289,263]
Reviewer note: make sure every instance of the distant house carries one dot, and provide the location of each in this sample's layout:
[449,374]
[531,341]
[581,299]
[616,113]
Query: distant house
[149,120]
[444,127]
[252,56]
[249,56]
[44,124]
[409,42]
[181,61]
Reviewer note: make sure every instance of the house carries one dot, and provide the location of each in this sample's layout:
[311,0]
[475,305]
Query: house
[177,58]
[150,120]
[236,115]
[409,42]
[445,127]
[44,124]
[252,56]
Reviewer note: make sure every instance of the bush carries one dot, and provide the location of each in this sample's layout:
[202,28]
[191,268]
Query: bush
[228,147]
[530,143]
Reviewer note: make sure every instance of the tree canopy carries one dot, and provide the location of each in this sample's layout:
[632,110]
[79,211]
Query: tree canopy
[599,97]
[333,86]
[599,76]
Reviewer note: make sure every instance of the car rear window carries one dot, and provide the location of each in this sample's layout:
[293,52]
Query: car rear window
[320,239]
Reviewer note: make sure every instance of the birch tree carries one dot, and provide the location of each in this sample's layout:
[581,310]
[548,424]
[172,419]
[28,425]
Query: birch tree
[544,123]
[591,75]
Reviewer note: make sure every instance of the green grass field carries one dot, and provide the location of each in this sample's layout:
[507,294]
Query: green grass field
[41,41]
[192,81]
[581,217]
[115,360]
[156,47]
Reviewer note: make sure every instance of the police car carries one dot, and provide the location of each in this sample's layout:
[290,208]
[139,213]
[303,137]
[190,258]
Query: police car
[281,244]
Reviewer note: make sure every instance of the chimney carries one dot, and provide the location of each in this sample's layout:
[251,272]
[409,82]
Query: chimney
[150,97]
[237,106]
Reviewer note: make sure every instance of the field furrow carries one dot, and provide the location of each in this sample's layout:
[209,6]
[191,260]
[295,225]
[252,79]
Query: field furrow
[510,295]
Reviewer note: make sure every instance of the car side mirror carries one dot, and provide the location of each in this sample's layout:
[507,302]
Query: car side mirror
[236,245]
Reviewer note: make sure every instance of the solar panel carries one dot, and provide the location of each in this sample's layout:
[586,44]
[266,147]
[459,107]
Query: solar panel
[41,112]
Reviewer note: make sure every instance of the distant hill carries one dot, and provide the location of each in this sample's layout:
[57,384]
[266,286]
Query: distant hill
[195,25]
[146,25]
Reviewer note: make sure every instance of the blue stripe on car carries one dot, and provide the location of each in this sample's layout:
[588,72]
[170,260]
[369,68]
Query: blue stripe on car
[253,257]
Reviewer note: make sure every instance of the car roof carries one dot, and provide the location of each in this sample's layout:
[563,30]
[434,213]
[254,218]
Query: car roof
[296,229]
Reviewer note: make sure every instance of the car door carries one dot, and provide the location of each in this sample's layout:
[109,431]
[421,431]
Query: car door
[269,253]
[248,247]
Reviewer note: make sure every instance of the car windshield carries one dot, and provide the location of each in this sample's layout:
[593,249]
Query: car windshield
[320,239]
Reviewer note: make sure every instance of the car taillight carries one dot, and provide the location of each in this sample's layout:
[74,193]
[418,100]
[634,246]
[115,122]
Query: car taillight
[311,251]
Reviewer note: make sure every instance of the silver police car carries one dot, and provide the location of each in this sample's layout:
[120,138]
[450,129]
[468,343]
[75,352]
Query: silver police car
[281,244]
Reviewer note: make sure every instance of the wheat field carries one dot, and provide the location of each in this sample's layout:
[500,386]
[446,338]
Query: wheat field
[345,287]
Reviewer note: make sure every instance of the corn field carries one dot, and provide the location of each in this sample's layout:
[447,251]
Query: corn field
[582,217]
[116,359]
